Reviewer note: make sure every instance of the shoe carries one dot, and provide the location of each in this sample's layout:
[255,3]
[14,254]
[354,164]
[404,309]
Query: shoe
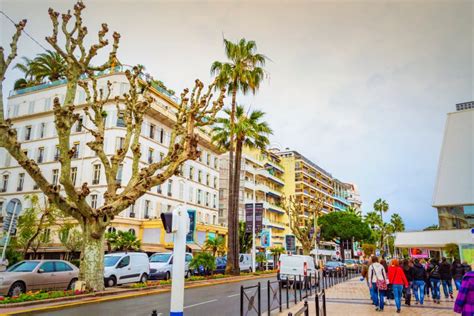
[451,296]
[416,302]
[439,301]
[398,311]
[377,309]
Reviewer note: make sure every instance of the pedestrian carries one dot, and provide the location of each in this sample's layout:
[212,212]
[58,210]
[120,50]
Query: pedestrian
[466,267]
[446,278]
[378,283]
[388,294]
[410,275]
[419,276]
[435,277]
[396,277]
[364,271]
[457,271]
[464,303]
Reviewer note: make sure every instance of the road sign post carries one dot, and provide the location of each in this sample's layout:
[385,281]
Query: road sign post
[13,210]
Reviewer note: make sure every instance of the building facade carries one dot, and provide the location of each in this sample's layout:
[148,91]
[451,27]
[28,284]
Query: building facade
[30,111]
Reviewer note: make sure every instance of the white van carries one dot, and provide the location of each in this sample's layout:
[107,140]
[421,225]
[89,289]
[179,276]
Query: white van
[125,267]
[161,265]
[245,262]
[295,265]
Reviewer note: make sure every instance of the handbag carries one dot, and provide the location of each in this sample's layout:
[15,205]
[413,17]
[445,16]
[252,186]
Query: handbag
[381,284]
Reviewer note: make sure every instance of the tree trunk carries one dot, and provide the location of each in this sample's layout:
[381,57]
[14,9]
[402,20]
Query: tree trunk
[237,166]
[92,258]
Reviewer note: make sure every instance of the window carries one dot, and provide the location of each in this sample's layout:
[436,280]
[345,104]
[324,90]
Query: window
[208,179]
[162,135]
[191,172]
[21,180]
[47,104]
[28,132]
[125,260]
[62,266]
[121,119]
[150,155]
[47,266]
[79,124]
[119,143]
[170,187]
[152,131]
[46,235]
[190,194]
[214,219]
[1,207]
[168,208]
[147,209]
[16,109]
[132,210]
[199,176]
[96,178]
[199,196]
[132,231]
[76,150]
[31,107]
[158,188]
[42,130]
[207,218]
[73,175]
[214,201]
[40,155]
[5,182]
[215,182]
[118,179]
[216,163]
[55,176]
[56,154]
[181,190]
[207,198]
[94,201]
[208,159]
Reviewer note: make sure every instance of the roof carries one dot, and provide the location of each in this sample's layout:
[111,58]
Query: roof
[433,238]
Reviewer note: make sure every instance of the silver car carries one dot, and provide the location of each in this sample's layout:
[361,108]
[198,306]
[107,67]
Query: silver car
[38,275]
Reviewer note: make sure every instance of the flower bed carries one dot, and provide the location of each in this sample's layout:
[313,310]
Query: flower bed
[38,295]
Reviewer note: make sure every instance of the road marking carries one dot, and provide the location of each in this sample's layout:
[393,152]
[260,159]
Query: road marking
[233,295]
[202,303]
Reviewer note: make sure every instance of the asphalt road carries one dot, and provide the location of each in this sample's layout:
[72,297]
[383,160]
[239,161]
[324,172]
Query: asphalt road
[223,299]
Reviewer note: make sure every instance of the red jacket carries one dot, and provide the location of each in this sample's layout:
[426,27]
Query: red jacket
[397,276]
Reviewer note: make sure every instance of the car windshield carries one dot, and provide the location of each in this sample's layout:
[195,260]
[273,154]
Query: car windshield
[332,264]
[160,257]
[24,266]
[110,261]
[350,261]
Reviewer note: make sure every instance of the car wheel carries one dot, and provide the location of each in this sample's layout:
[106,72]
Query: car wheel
[167,276]
[16,289]
[71,284]
[111,281]
[144,278]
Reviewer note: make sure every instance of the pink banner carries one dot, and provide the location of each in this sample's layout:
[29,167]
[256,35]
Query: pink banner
[419,253]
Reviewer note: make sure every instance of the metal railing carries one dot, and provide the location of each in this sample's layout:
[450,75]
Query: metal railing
[302,311]
[320,309]
[252,302]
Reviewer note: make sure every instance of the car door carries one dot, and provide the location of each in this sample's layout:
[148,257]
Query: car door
[124,270]
[64,274]
[45,277]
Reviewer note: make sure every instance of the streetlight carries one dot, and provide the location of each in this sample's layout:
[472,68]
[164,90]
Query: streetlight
[254,252]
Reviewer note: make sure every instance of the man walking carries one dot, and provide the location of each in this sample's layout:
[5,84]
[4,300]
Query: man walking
[446,278]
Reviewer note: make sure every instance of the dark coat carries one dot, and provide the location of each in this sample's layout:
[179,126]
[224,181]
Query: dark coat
[433,271]
[457,271]
[419,273]
[445,271]
[409,273]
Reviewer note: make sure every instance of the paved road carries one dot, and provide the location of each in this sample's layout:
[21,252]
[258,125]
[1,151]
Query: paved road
[223,299]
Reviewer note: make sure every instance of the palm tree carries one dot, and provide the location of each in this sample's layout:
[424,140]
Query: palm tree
[25,68]
[373,219]
[353,210]
[122,241]
[276,252]
[397,222]
[381,206]
[215,245]
[245,239]
[48,65]
[243,72]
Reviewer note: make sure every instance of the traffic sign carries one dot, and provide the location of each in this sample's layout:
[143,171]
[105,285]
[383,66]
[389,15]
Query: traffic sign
[11,219]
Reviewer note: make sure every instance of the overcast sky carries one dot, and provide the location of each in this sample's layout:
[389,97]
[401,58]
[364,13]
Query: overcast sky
[360,88]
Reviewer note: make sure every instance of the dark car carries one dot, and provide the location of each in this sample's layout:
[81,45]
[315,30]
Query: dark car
[334,268]
[221,263]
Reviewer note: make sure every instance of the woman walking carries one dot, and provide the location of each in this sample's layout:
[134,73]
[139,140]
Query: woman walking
[396,277]
[435,277]
[446,278]
[378,283]
[457,271]
[409,274]
[464,303]
[419,277]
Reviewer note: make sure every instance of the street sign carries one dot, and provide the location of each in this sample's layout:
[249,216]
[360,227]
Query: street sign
[11,218]
[249,217]
[290,243]
[192,226]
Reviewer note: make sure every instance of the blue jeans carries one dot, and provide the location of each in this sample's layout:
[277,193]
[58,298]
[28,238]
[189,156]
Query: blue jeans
[397,293]
[419,289]
[447,288]
[435,284]
[377,295]
[458,284]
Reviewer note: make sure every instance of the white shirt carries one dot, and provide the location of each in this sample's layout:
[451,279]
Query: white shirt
[376,272]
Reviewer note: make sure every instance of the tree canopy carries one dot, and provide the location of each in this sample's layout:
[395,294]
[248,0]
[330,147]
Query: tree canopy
[344,226]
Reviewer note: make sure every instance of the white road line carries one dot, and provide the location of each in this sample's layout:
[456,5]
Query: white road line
[202,303]
[233,295]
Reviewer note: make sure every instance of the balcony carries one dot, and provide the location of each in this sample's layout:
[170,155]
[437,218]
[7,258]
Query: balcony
[274,192]
[314,176]
[273,224]
[275,165]
[274,208]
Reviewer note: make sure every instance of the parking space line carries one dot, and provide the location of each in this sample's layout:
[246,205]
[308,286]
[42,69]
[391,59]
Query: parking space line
[202,303]
[233,295]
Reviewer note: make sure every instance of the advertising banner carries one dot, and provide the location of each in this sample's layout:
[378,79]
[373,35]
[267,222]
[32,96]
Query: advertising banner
[192,226]
[265,238]
[419,253]
[290,243]
[249,217]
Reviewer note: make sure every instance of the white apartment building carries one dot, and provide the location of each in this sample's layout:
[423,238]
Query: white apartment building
[30,111]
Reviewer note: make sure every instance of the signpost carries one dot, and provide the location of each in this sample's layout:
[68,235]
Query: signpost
[290,243]
[10,222]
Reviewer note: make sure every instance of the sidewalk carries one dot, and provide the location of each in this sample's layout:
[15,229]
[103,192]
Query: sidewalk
[352,298]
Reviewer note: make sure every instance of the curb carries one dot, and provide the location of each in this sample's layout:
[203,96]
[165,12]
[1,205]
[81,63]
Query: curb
[129,294]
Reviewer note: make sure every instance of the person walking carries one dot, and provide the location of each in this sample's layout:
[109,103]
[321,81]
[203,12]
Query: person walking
[464,303]
[457,271]
[419,276]
[396,277]
[378,283]
[435,277]
[388,294]
[446,278]
[410,275]
[466,267]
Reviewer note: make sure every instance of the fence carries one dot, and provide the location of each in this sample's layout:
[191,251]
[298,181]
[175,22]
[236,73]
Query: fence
[302,311]
[282,293]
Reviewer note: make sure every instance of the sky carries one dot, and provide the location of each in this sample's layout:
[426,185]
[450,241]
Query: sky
[362,88]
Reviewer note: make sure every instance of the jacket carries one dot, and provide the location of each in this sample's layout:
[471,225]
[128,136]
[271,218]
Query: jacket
[376,272]
[466,267]
[433,271]
[419,272]
[457,271]
[464,303]
[445,271]
[409,273]
[397,276]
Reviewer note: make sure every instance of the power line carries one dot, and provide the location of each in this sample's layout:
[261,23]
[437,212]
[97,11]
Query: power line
[26,33]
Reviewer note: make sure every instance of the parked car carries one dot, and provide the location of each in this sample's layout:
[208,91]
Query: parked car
[37,275]
[334,268]
[126,267]
[291,266]
[351,264]
[221,263]
[245,262]
[161,265]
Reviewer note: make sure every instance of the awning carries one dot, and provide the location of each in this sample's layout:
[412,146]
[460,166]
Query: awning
[433,238]
[153,248]
[194,247]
